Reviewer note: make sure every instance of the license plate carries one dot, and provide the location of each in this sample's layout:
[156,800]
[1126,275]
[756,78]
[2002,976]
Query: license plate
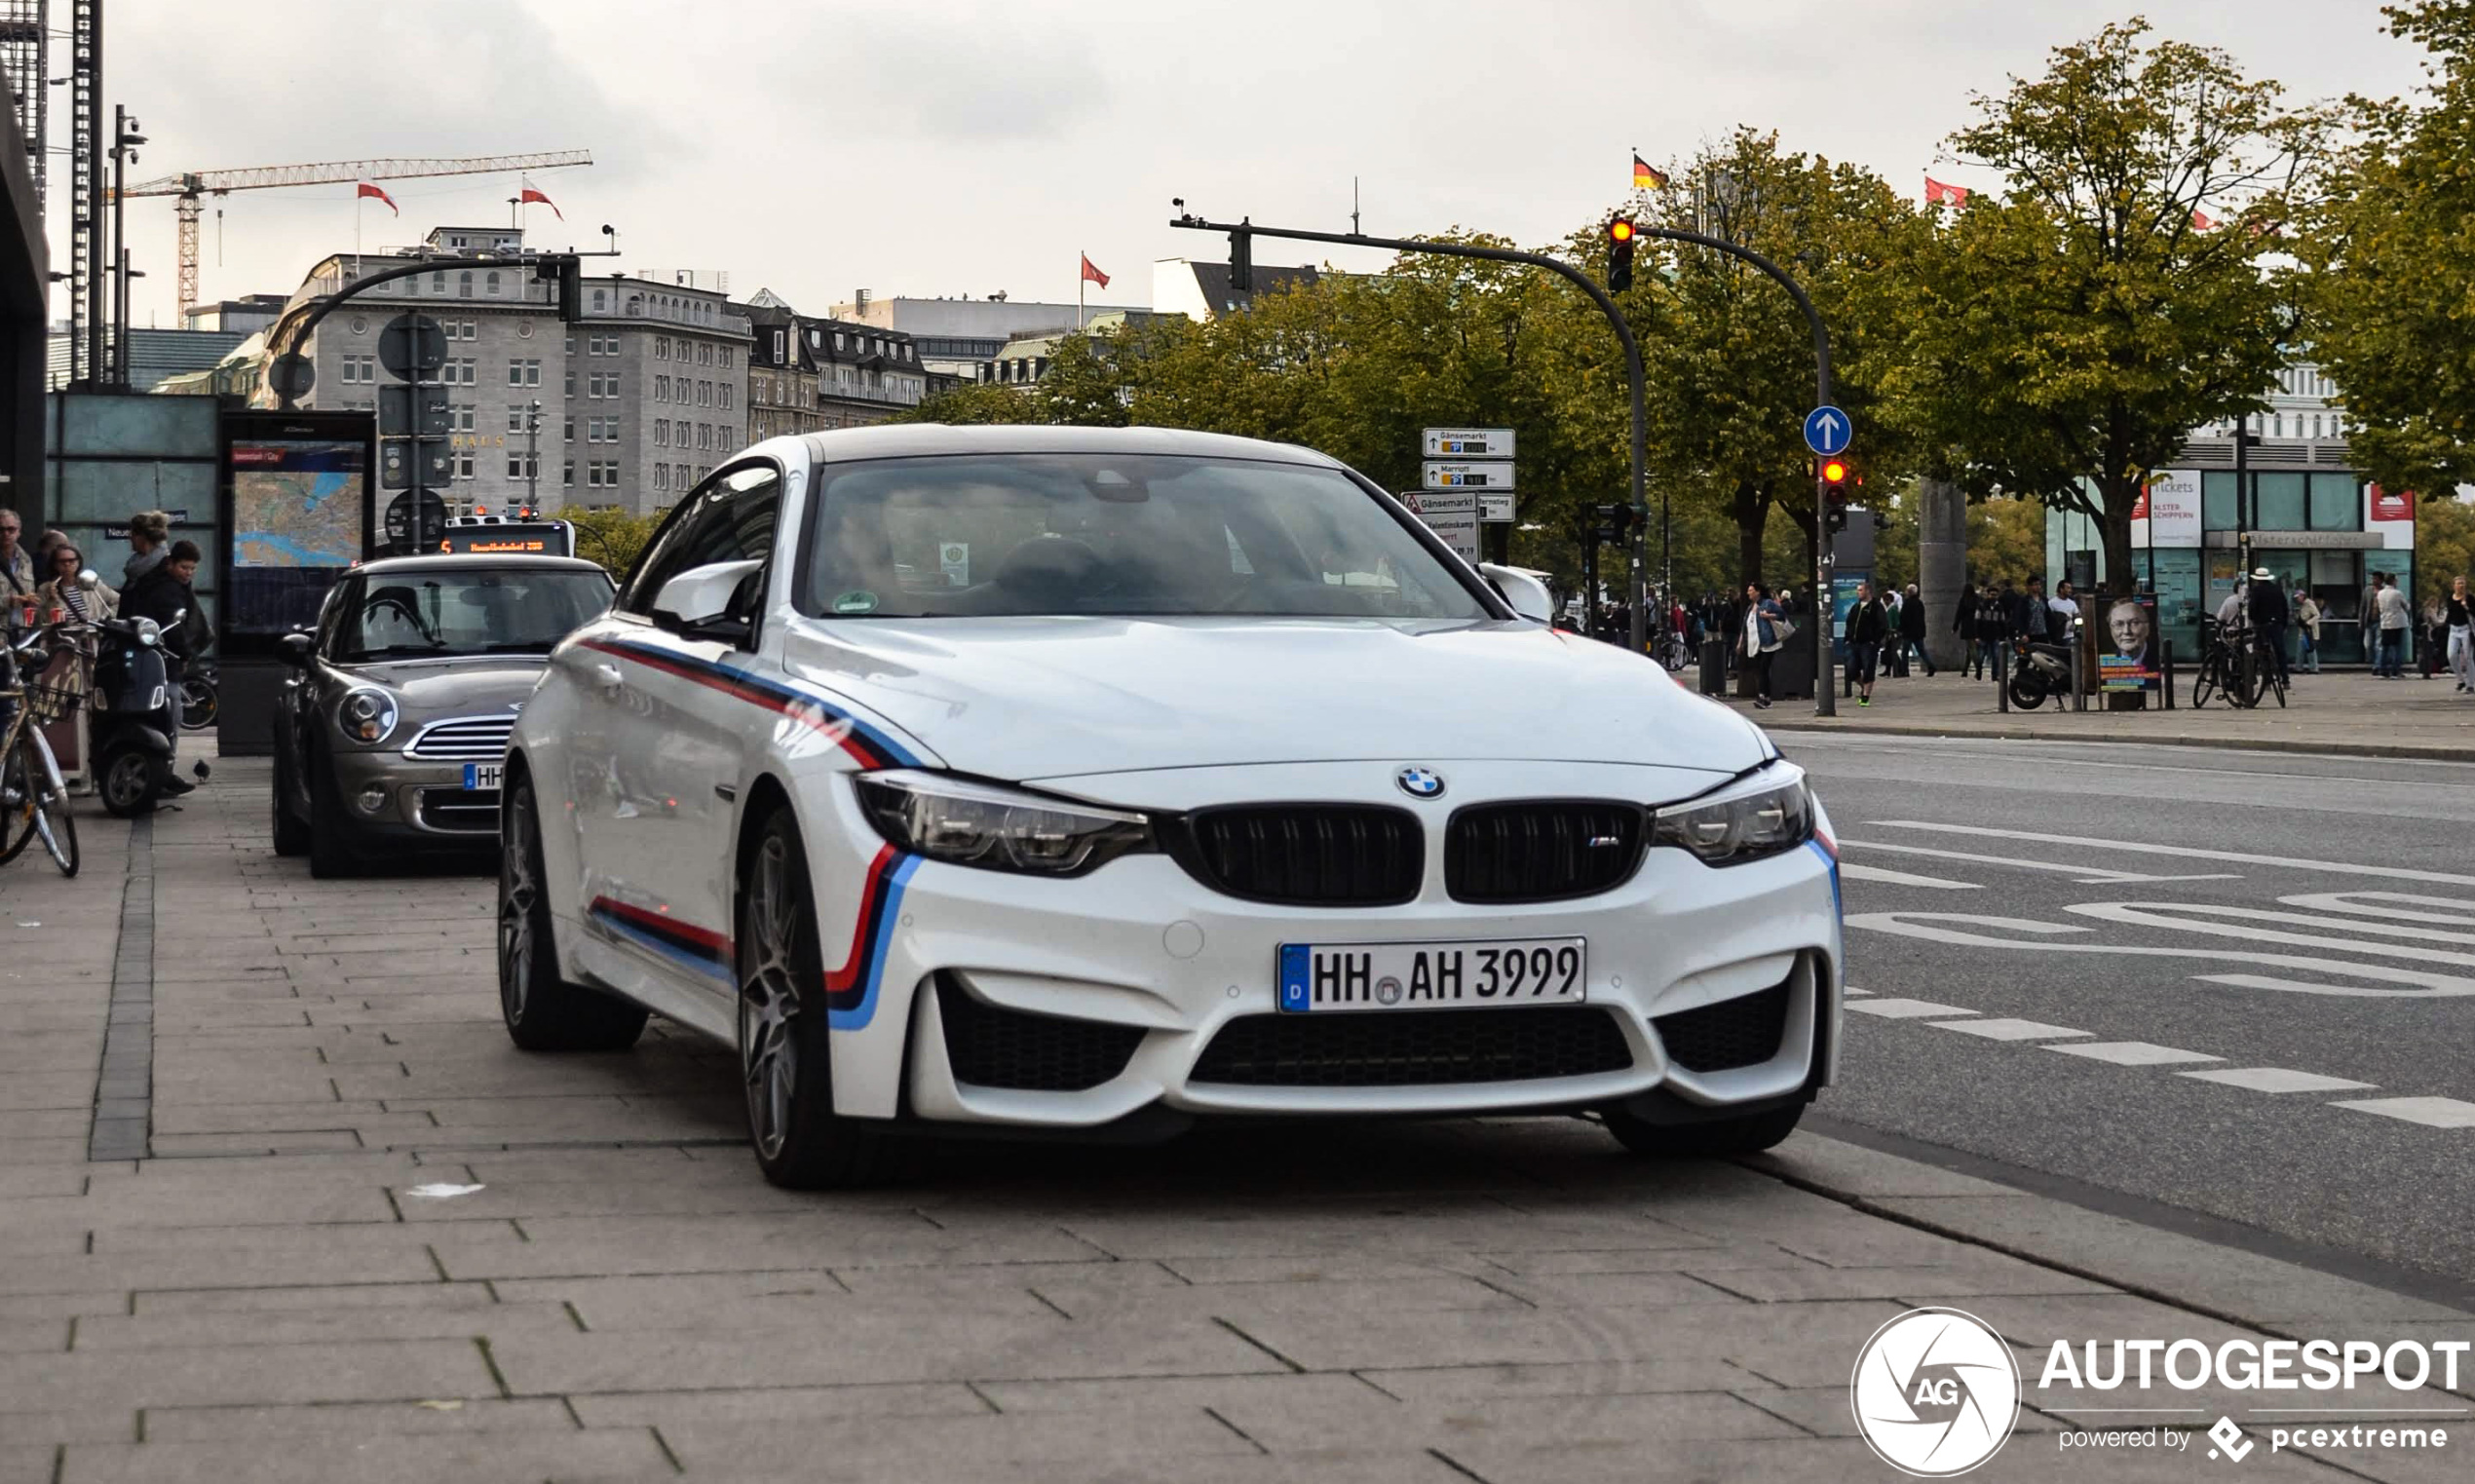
[478,775]
[1461,975]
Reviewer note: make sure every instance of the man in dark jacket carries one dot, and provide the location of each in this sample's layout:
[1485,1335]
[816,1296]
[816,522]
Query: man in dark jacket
[1912,628]
[1867,629]
[162,593]
[2269,614]
[1963,624]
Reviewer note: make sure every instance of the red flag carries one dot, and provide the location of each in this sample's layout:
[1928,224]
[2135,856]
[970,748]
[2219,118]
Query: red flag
[1091,275]
[2200,223]
[529,195]
[365,191]
[1937,194]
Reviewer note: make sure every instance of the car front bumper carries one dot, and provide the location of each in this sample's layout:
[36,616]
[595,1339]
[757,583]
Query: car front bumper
[1141,954]
[420,801]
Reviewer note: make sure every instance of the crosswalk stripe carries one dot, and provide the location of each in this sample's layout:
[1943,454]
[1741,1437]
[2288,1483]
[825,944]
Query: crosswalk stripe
[2431,1111]
[2276,1079]
[1853,871]
[2132,1053]
[2091,875]
[2191,853]
[2004,1029]
[1907,1009]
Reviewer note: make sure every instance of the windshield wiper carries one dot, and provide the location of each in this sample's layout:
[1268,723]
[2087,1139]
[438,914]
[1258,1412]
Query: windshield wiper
[521,647]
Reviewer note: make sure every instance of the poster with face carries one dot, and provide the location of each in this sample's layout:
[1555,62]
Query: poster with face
[2130,662]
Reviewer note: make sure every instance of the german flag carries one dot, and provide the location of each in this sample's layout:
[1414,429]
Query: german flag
[1645,178]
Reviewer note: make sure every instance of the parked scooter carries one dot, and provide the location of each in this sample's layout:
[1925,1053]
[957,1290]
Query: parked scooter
[2038,670]
[131,717]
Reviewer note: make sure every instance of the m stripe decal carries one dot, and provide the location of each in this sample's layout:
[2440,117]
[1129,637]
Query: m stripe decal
[699,949]
[851,991]
[869,747]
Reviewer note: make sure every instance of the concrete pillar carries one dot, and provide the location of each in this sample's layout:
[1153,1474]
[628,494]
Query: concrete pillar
[1942,562]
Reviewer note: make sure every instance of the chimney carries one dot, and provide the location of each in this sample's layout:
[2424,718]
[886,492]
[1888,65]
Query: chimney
[861,301]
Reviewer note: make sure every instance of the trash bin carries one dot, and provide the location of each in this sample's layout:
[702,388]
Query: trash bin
[1714,666]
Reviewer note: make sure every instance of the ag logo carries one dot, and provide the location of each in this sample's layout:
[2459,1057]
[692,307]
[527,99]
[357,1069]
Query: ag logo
[1936,1393]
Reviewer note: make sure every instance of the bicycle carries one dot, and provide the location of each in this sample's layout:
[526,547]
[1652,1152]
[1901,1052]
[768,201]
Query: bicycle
[2222,673]
[1673,651]
[34,801]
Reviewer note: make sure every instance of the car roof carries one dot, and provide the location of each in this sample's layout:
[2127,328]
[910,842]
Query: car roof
[906,440]
[464,561]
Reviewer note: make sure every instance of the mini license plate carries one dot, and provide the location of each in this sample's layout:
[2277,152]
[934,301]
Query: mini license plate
[1461,975]
[478,775]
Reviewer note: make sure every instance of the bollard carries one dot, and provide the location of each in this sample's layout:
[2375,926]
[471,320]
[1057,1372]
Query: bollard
[2002,677]
[2165,671]
[2079,695]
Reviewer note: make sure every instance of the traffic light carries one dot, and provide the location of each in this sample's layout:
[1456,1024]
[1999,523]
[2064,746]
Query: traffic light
[1613,522]
[1241,260]
[1835,475]
[567,271]
[1620,236]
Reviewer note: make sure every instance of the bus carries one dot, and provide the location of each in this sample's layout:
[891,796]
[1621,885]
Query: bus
[522,533]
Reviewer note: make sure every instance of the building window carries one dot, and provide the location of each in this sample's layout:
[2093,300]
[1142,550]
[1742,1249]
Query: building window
[661,347]
[567,475]
[438,282]
[570,381]
[571,345]
[661,432]
[464,464]
[661,476]
[602,300]
[492,284]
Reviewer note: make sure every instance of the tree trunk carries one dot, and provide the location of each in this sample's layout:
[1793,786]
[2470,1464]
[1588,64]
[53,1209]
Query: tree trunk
[1752,508]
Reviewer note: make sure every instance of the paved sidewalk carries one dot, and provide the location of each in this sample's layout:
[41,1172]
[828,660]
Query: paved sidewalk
[2330,712]
[345,1232]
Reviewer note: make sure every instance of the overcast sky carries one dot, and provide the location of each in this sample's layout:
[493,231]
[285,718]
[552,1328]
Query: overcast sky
[961,146]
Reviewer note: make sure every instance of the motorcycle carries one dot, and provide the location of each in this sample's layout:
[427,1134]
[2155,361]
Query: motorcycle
[2038,670]
[131,718]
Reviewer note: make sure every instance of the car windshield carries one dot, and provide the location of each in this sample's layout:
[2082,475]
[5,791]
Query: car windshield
[470,610]
[1097,534]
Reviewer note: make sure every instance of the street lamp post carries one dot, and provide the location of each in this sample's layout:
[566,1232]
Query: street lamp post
[533,459]
[125,142]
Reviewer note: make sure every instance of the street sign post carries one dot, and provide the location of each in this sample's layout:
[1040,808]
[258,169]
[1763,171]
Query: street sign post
[1494,506]
[1828,430]
[1472,476]
[1451,515]
[1468,443]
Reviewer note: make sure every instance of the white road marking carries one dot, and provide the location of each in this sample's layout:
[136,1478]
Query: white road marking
[2089,874]
[2008,1029]
[2423,983]
[2189,853]
[1852,871]
[1908,1009]
[2276,1079]
[2431,1111]
[1851,992]
[2133,1053]
[2453,910]
[1954,746]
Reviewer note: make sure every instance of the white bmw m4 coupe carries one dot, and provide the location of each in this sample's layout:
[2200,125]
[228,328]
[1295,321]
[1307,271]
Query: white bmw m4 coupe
[1100,781]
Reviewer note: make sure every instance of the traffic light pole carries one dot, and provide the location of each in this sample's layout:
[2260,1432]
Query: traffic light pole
[1240,242]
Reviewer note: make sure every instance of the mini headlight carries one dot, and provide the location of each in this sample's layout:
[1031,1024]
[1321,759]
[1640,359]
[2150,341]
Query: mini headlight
[996,829]
[1761,817]
[148,631]
[367,715]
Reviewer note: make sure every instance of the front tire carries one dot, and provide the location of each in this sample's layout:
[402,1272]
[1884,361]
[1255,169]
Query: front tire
[1717,1139]
[126,783]
[292,836]
[543,1012]
[331,851]
[784,1042]
[2027,695]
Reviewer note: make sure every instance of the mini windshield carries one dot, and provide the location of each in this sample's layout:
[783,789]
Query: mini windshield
[470,610]
[1097,534]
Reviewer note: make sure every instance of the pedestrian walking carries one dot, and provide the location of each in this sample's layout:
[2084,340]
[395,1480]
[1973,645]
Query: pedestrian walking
[2062,614]
[1963,625]
[2461,636]
[1766,630]
[1912,628]
[2432,639]
[1992,627]
[18,575]
[2393,617]
[2269,617]
[148,533]
[2031,618]
[1869,630]
[2307,628]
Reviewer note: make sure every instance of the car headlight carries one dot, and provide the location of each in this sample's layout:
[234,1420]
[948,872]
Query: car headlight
[963,823]
[367,715]
[1763,815]
[147,631]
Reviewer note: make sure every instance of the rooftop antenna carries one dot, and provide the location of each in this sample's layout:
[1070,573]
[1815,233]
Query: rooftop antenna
[1353,229]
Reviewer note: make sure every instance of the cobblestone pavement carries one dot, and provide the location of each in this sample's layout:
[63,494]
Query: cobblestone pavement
[316,1219]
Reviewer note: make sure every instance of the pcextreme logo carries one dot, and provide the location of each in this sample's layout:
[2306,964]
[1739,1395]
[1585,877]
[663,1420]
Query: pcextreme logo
[1936,1393]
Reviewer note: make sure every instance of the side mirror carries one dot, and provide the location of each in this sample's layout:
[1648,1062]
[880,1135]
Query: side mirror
[85,577]
[1527,594]
[695,604]
[295,648]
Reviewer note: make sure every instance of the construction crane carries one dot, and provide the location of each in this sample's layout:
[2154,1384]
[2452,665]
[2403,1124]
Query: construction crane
[190,187]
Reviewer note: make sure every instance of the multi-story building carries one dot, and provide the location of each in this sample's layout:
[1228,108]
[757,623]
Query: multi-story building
[1025,358]
[958,337]
[248,314]
[626,409]
[154,354]
[782,374]
[806,374]
[1202,291]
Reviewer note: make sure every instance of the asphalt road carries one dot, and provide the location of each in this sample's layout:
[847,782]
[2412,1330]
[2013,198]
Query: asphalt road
[2156,970]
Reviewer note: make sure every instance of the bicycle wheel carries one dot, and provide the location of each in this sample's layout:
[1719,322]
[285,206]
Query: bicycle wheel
[2204,684]
[18,800]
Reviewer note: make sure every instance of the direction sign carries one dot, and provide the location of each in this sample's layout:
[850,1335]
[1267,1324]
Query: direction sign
[1474,476]
[1827,431]
[1453,517]
[1468,442]
[1495,508]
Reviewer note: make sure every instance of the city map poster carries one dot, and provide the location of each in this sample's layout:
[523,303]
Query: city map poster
[299,521]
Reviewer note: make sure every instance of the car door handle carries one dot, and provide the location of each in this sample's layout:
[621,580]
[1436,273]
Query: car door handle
[608,677]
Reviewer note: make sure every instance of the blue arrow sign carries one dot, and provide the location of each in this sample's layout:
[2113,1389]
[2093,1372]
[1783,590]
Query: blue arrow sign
[1827,431]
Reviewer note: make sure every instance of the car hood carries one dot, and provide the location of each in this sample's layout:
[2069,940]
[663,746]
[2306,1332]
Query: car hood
[1026,698]
[433,685]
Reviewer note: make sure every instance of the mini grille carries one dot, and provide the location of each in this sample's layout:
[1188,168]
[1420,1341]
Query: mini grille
[1540,851]
[1412,1049]
[1308,855]
[468,739]
[1743,1032]
[990,1046]
[475,812]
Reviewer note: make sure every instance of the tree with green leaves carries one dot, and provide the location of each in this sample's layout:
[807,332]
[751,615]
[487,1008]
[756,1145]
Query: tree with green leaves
[2071,331]
[2396,260]
[614,538]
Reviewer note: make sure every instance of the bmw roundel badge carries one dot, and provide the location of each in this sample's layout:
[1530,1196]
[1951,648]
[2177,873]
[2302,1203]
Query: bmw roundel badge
[1421,782]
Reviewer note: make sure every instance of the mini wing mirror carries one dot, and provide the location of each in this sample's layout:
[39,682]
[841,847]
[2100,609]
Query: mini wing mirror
[1527,594]
[697,603]
[294,648]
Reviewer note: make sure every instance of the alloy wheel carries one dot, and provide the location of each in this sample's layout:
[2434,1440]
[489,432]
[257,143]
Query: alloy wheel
[520,891]
[769,1001]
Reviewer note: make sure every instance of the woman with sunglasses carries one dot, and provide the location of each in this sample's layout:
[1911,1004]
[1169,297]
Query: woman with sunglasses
[63,595]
